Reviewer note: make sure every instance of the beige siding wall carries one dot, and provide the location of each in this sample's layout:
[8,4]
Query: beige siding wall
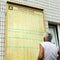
[2,27]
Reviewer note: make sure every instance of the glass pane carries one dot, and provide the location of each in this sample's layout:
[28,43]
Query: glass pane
[54,34]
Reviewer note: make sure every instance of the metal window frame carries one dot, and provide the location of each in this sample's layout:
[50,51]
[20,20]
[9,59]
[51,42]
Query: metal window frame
[54,25]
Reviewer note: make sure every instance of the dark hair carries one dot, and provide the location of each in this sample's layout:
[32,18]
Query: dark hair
[48,36]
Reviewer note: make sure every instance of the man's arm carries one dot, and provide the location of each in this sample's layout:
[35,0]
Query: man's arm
[59,52]
[58,58]
[41,52]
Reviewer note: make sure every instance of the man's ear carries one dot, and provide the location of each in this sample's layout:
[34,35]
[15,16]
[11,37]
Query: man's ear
[59,52]
[44,38]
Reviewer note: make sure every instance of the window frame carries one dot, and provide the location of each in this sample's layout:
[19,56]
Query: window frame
[55,25]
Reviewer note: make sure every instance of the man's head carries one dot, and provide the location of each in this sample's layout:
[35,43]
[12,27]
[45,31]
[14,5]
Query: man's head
[47,36]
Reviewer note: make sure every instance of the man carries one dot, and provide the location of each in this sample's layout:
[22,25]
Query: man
[59,55]
[48,50]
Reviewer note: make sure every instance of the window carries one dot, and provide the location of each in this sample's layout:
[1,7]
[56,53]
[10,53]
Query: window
[53,30]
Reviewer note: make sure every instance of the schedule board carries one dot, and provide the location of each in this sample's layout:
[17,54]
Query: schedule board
[25,27]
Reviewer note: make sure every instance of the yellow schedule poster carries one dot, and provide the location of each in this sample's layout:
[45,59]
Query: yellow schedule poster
[25,27]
